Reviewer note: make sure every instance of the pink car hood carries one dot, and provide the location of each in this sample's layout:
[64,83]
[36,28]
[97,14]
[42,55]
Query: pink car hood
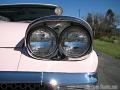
[11,33]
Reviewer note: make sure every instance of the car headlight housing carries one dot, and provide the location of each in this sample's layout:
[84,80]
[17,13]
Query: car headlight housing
[41,42]
[58,38]
[75,41]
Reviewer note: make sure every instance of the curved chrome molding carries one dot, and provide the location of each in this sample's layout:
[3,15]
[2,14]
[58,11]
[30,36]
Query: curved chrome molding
[58,78]
[43,20]
[40,4]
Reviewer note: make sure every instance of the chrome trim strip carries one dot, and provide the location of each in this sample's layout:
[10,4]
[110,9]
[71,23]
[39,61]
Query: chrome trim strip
[70,78]
[41,4]
[46,77]
[20,77]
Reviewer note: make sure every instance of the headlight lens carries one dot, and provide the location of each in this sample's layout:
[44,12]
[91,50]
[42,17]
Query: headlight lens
[75,41]
[42,42]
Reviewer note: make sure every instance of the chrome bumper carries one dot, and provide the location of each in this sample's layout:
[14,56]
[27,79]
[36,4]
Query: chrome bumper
[48,77]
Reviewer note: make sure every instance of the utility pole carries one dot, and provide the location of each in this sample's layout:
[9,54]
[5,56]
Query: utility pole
[79,13]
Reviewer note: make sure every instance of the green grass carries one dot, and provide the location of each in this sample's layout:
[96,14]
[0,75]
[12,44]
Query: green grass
[108,48]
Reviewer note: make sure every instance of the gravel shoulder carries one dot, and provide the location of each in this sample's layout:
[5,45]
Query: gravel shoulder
[108,70]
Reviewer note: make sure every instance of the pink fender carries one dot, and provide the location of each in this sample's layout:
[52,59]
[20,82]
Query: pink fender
[10,35]
[13,60]
[87,65]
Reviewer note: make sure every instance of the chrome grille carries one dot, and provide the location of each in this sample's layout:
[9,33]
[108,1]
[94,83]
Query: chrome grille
[24,86]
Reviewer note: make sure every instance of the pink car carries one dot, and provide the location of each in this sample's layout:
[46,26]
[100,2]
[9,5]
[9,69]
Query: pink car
[40,47]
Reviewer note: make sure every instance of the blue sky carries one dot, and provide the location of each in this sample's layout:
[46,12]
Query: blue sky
[71,7]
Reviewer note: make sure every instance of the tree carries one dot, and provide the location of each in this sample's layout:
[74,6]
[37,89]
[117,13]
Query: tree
[109,22]
[89,19]
[103,25]
[95,25]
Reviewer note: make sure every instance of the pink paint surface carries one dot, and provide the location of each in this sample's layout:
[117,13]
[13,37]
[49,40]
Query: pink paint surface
[12,60]
[9,59]
[11,33]
[87,65]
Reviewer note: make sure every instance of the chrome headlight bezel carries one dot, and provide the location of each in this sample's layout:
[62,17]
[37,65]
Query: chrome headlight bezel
[88,36]
[28,46]
[56,25]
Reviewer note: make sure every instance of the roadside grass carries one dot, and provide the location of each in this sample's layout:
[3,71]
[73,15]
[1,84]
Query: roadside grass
[107,48]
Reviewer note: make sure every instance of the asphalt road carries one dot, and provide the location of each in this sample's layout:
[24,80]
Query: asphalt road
[108,71]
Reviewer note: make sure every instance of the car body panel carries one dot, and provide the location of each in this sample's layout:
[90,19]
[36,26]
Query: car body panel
[87,65]
[11,33]
[18,66]
[9,59]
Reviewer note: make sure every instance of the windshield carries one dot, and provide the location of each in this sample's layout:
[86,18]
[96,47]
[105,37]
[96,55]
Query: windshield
[25,12]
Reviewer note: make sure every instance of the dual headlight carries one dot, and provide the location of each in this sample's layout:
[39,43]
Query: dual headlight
[73,41]
[42,42]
